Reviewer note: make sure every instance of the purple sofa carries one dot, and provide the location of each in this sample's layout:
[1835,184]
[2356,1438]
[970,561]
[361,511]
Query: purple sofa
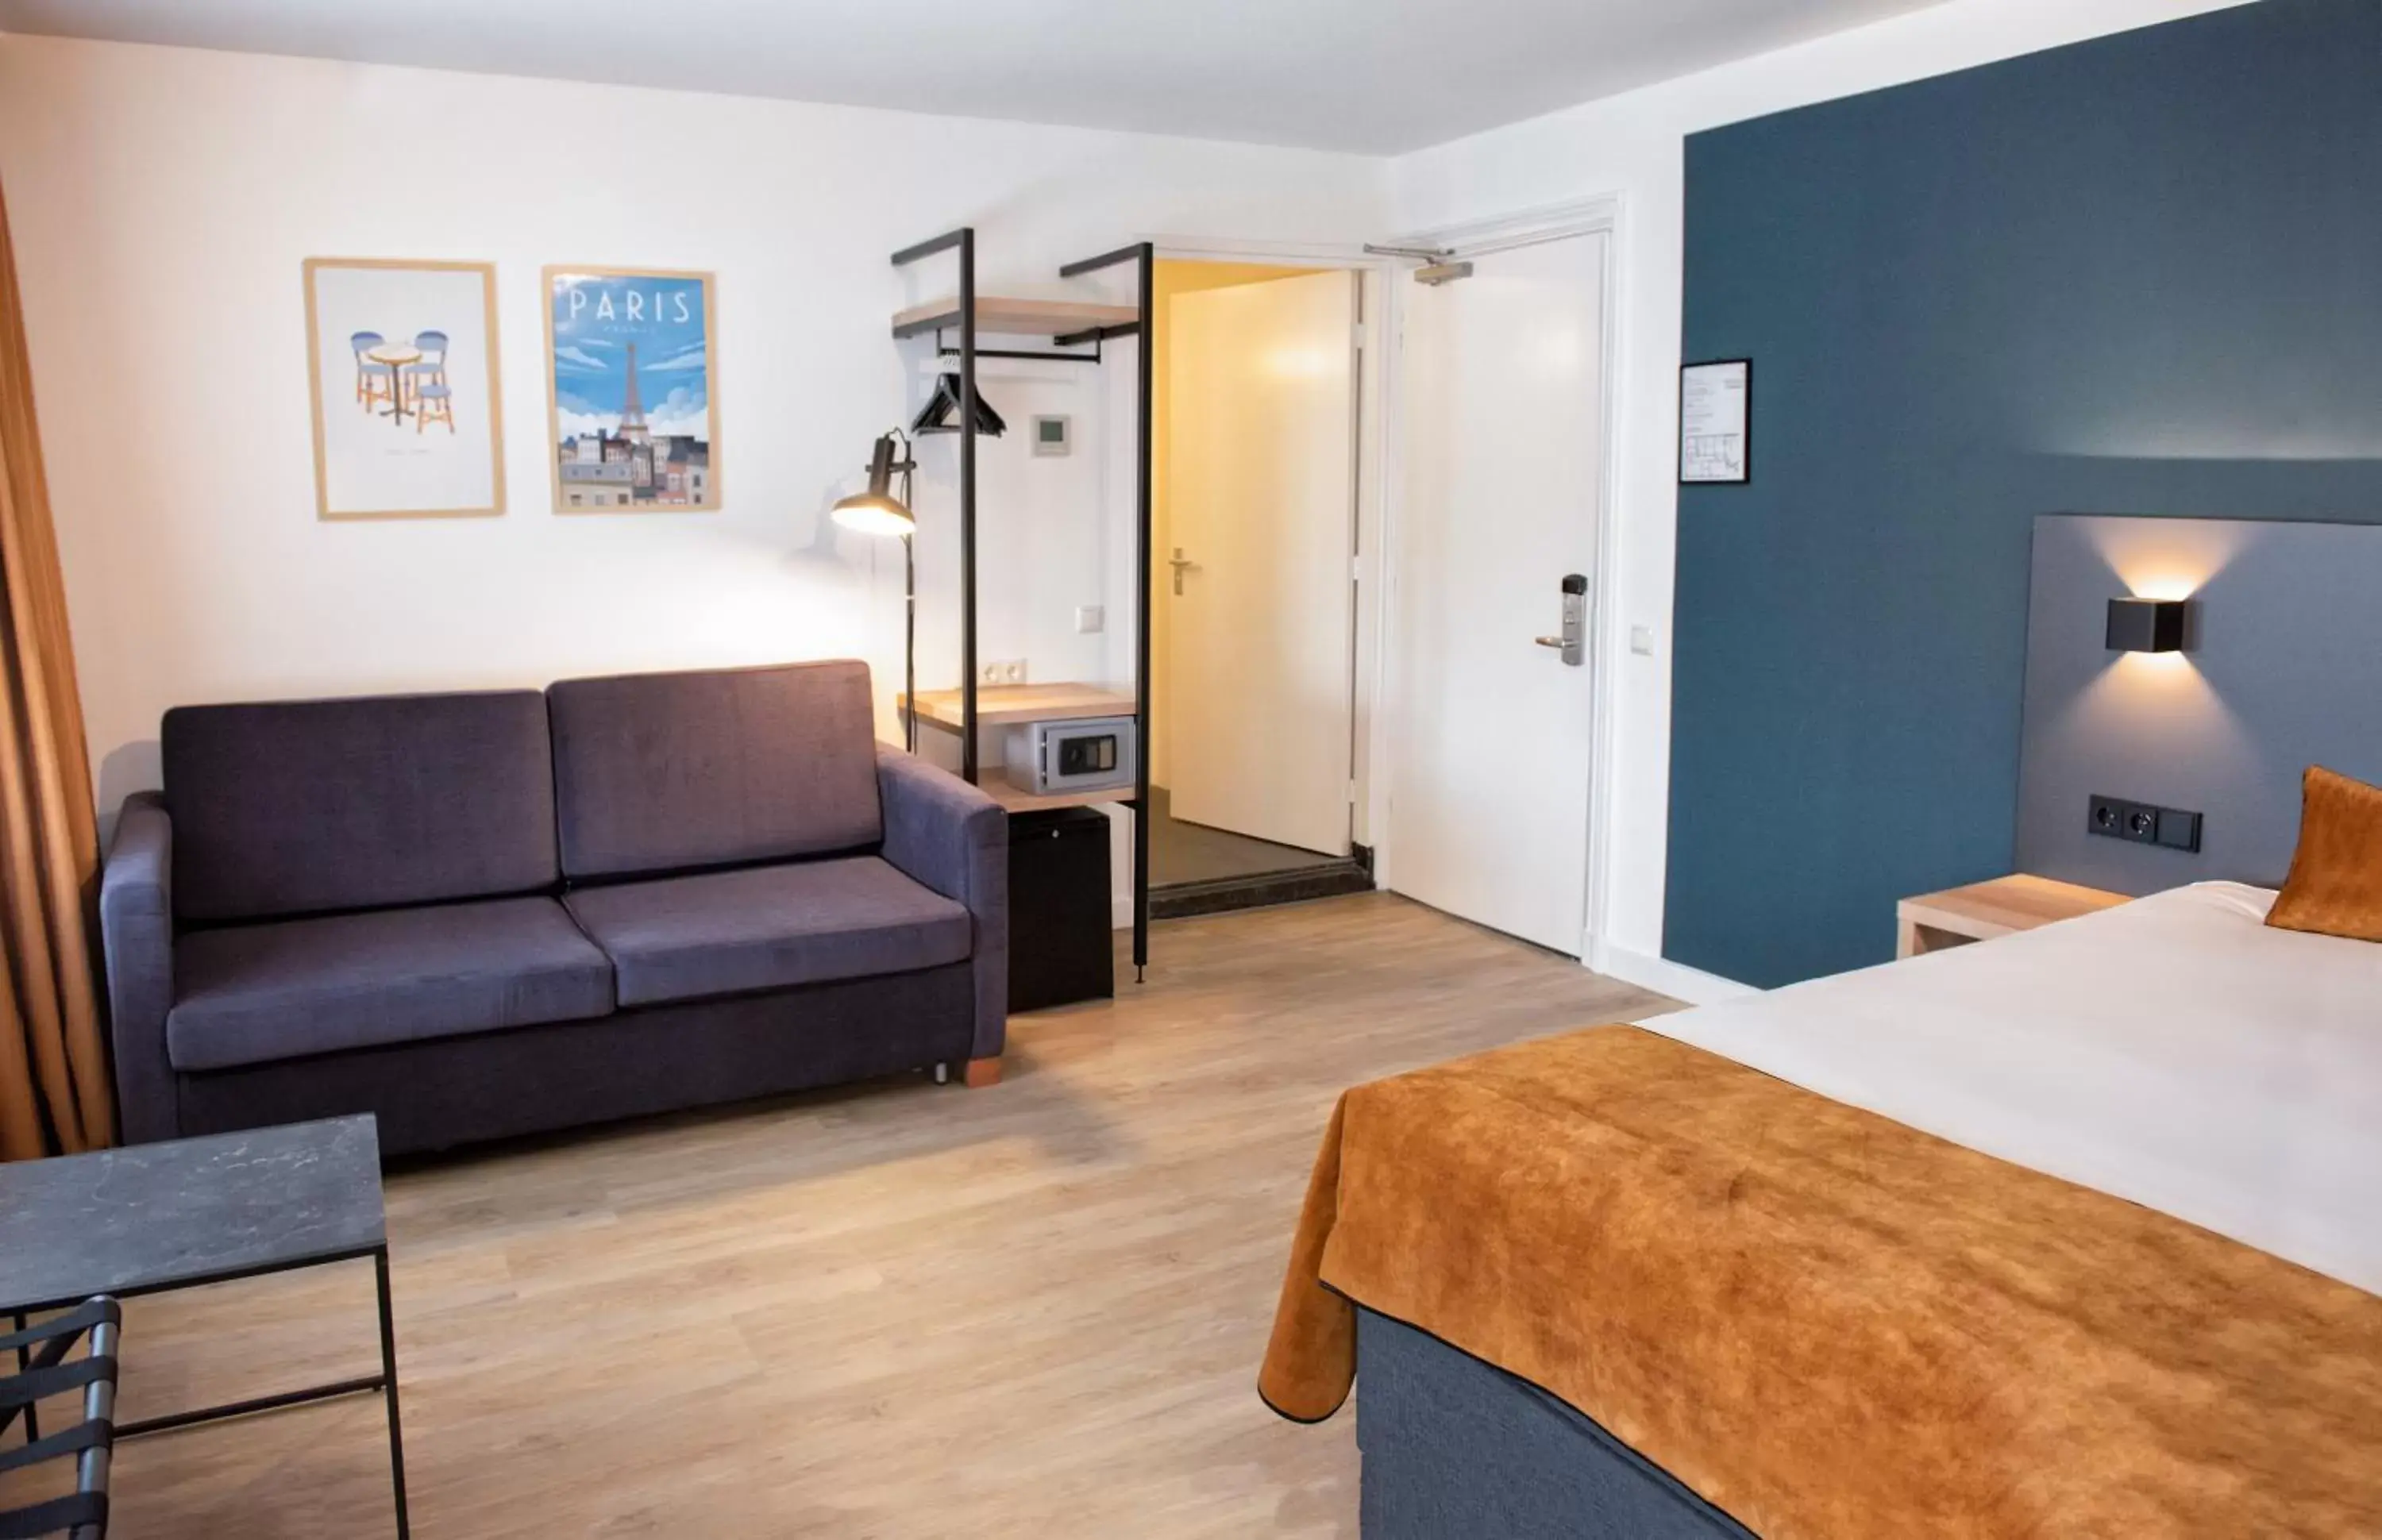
[479,915]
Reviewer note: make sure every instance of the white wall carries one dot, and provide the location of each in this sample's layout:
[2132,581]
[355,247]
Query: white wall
[1632,145]
[163,200]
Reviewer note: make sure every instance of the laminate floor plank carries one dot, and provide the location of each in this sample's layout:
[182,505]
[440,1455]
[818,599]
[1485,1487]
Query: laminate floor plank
[898,1311]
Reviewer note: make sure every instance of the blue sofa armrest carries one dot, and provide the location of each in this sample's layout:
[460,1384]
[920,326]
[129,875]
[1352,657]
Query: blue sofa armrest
[950,836]
[136,927]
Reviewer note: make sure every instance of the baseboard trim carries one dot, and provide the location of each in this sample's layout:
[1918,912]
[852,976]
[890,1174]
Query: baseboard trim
[1665,977]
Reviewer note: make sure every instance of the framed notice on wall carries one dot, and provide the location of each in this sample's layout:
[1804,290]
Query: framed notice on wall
[1715,422]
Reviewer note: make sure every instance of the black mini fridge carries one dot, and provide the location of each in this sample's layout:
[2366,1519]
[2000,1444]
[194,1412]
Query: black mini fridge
[1059,949]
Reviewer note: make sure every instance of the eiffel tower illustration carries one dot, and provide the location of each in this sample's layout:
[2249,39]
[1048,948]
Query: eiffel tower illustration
[633,410]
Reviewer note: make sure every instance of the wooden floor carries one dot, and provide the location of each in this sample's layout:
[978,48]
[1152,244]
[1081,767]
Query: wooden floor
[900,1311]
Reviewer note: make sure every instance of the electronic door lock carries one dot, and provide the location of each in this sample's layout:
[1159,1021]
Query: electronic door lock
[1573,643]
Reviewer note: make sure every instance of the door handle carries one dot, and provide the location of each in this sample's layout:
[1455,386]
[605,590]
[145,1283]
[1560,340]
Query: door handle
[1573,643]
[1181,566]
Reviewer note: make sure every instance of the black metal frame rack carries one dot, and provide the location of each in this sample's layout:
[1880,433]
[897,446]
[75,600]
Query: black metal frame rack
[1145,256]
[43,1369]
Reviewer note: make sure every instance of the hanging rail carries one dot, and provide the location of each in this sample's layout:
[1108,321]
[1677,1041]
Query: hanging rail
[943,349]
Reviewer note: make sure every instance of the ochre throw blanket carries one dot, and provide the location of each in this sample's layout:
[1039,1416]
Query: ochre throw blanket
[1823,1322]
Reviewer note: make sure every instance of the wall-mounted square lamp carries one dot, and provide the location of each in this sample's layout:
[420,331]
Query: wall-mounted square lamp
[2146,625]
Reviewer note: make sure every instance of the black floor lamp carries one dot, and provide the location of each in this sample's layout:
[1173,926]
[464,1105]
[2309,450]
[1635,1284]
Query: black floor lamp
[877,511]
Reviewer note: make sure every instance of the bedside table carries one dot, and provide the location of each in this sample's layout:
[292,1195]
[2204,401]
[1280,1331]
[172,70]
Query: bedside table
[1985,910]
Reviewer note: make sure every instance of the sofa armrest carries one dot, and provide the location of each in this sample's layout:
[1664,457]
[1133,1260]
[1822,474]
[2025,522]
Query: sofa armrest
[950,836]
[136,925]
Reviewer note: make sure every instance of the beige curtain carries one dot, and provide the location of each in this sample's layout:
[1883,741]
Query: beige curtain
[53,1090]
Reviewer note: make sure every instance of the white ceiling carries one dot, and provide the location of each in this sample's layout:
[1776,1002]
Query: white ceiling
[1373,76]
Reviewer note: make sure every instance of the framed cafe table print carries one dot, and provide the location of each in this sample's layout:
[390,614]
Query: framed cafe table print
[402,359]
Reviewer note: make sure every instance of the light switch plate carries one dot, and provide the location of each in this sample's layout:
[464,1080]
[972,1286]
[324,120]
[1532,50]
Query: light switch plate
[1091,619]
[1641,641]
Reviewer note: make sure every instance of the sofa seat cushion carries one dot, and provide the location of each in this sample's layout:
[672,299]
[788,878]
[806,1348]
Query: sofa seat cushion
[766,927]
[258,994]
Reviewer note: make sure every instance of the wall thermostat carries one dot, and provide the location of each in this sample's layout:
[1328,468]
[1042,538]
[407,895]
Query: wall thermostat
[1052,435]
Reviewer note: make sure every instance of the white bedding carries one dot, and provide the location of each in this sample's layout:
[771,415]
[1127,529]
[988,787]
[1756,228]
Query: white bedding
[2173,1051]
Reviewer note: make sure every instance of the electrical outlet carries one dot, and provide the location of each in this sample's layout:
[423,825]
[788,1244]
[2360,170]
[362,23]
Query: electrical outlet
[2143,824]
[1091,619]
[1006,671]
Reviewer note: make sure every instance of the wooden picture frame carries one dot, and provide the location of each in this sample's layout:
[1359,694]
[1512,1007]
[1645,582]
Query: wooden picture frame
[363,471]
[1716,422]
[626,434]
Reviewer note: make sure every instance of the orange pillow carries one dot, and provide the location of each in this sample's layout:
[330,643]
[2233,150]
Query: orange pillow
[2335,888]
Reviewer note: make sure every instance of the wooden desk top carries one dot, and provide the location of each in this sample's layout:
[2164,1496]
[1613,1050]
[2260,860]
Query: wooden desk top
[1002,705]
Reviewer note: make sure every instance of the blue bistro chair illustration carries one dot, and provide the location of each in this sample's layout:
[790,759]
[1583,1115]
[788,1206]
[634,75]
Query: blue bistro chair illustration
[432,369]
[427,380]
[374,381]
[433,401]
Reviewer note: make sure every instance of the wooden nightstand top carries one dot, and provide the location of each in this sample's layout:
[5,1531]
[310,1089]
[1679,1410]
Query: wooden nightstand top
[1985,910]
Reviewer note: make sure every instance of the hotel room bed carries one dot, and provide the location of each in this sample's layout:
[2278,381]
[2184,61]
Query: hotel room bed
[2174,1053]
[1456,1447]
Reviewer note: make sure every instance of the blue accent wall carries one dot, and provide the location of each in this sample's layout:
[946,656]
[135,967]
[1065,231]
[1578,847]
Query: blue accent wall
[2141,275]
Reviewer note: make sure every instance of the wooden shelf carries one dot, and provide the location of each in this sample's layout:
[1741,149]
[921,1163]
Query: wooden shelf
[1004,705]
[1050,318]
[1009,797]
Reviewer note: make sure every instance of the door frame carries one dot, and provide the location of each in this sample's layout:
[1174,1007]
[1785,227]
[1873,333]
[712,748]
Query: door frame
[1376,469]
[1601,214]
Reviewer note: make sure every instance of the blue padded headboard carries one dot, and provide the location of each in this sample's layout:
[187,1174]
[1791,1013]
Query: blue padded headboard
[2283,669]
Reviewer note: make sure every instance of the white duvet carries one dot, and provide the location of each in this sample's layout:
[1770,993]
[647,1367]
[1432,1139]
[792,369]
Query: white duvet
[2173,1051]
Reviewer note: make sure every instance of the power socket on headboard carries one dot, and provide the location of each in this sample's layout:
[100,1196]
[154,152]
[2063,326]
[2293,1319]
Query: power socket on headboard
[2116,818]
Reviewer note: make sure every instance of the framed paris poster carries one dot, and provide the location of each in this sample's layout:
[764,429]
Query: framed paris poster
[402,357]
[633,390]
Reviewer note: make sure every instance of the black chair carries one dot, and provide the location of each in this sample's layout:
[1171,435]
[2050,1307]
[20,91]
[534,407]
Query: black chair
[43,1370]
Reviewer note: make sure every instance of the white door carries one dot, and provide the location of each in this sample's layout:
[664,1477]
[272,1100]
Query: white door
[1492,733]
[1261,494]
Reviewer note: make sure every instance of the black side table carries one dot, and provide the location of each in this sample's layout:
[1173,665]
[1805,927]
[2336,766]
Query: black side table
[151,1217]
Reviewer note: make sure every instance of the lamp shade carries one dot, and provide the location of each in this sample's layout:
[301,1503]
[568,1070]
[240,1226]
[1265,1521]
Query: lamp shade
[877,511]
[870,513]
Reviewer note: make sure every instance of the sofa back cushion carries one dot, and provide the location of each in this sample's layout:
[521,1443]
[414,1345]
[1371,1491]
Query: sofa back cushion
[675,772]
[295,807]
